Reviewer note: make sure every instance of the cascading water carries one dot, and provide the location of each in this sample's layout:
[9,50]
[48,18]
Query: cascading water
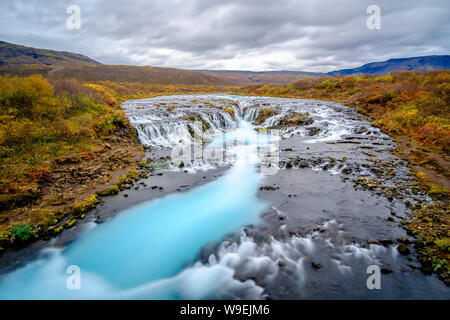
[138,253]
[155,249]
[168,121]
[146,243]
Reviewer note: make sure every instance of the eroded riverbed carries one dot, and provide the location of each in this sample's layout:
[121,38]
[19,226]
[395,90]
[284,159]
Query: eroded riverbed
[290,222]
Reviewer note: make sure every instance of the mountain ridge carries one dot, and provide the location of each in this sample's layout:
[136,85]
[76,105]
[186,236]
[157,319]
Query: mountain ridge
[22,60]
[14,54]
[421,63]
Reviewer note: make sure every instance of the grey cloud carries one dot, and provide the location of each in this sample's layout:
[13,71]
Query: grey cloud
[306,35]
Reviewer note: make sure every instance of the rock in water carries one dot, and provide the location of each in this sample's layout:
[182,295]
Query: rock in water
[403,249]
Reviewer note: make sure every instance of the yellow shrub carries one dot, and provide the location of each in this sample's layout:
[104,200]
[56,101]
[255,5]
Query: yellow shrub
[85,205]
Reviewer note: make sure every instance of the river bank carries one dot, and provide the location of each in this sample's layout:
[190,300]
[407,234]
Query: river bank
[334,207]
[56,160]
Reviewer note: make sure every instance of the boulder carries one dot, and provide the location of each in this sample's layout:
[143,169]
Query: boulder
[403,249]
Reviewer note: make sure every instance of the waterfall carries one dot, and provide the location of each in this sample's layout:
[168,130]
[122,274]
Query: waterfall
[173,120]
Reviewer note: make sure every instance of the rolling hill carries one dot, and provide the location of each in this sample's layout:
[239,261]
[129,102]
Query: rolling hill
[145,74]
[24,61]
[245,77]
[13,54]
[119,73]
[21,60]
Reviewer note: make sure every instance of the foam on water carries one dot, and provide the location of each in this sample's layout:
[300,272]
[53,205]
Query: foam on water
[150,251]
[158,126]
[141,252]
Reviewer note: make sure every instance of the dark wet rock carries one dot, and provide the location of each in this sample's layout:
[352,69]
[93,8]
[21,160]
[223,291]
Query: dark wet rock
[386,242]
[367,183]
[288,165]
[418,244]
[264,114]
[315,265]
[385,270]
[360,130]
[427,267]
[372,241]
[99,220]
[404,240]
[445,279]
[347,170]
[390,219]
[281,263]
[271,188]
[312,131]
[403,249]
[125,195]
[293,119]
[154,187]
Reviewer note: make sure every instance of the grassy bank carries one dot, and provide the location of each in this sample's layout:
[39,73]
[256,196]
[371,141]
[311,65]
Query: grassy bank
[413,104]
[60,142]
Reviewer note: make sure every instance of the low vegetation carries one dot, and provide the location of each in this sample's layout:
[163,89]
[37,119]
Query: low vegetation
[413,104]
[44,124]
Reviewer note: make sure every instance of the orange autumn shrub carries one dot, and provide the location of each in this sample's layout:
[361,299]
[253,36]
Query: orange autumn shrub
[40,120]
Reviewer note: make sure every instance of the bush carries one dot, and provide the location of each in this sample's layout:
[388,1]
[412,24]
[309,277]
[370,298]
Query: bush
[443,244]
[28,97]
[41,120]
[22,232]
[82,206]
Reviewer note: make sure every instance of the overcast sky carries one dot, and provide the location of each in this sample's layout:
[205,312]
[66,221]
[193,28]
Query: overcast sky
[309,35]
